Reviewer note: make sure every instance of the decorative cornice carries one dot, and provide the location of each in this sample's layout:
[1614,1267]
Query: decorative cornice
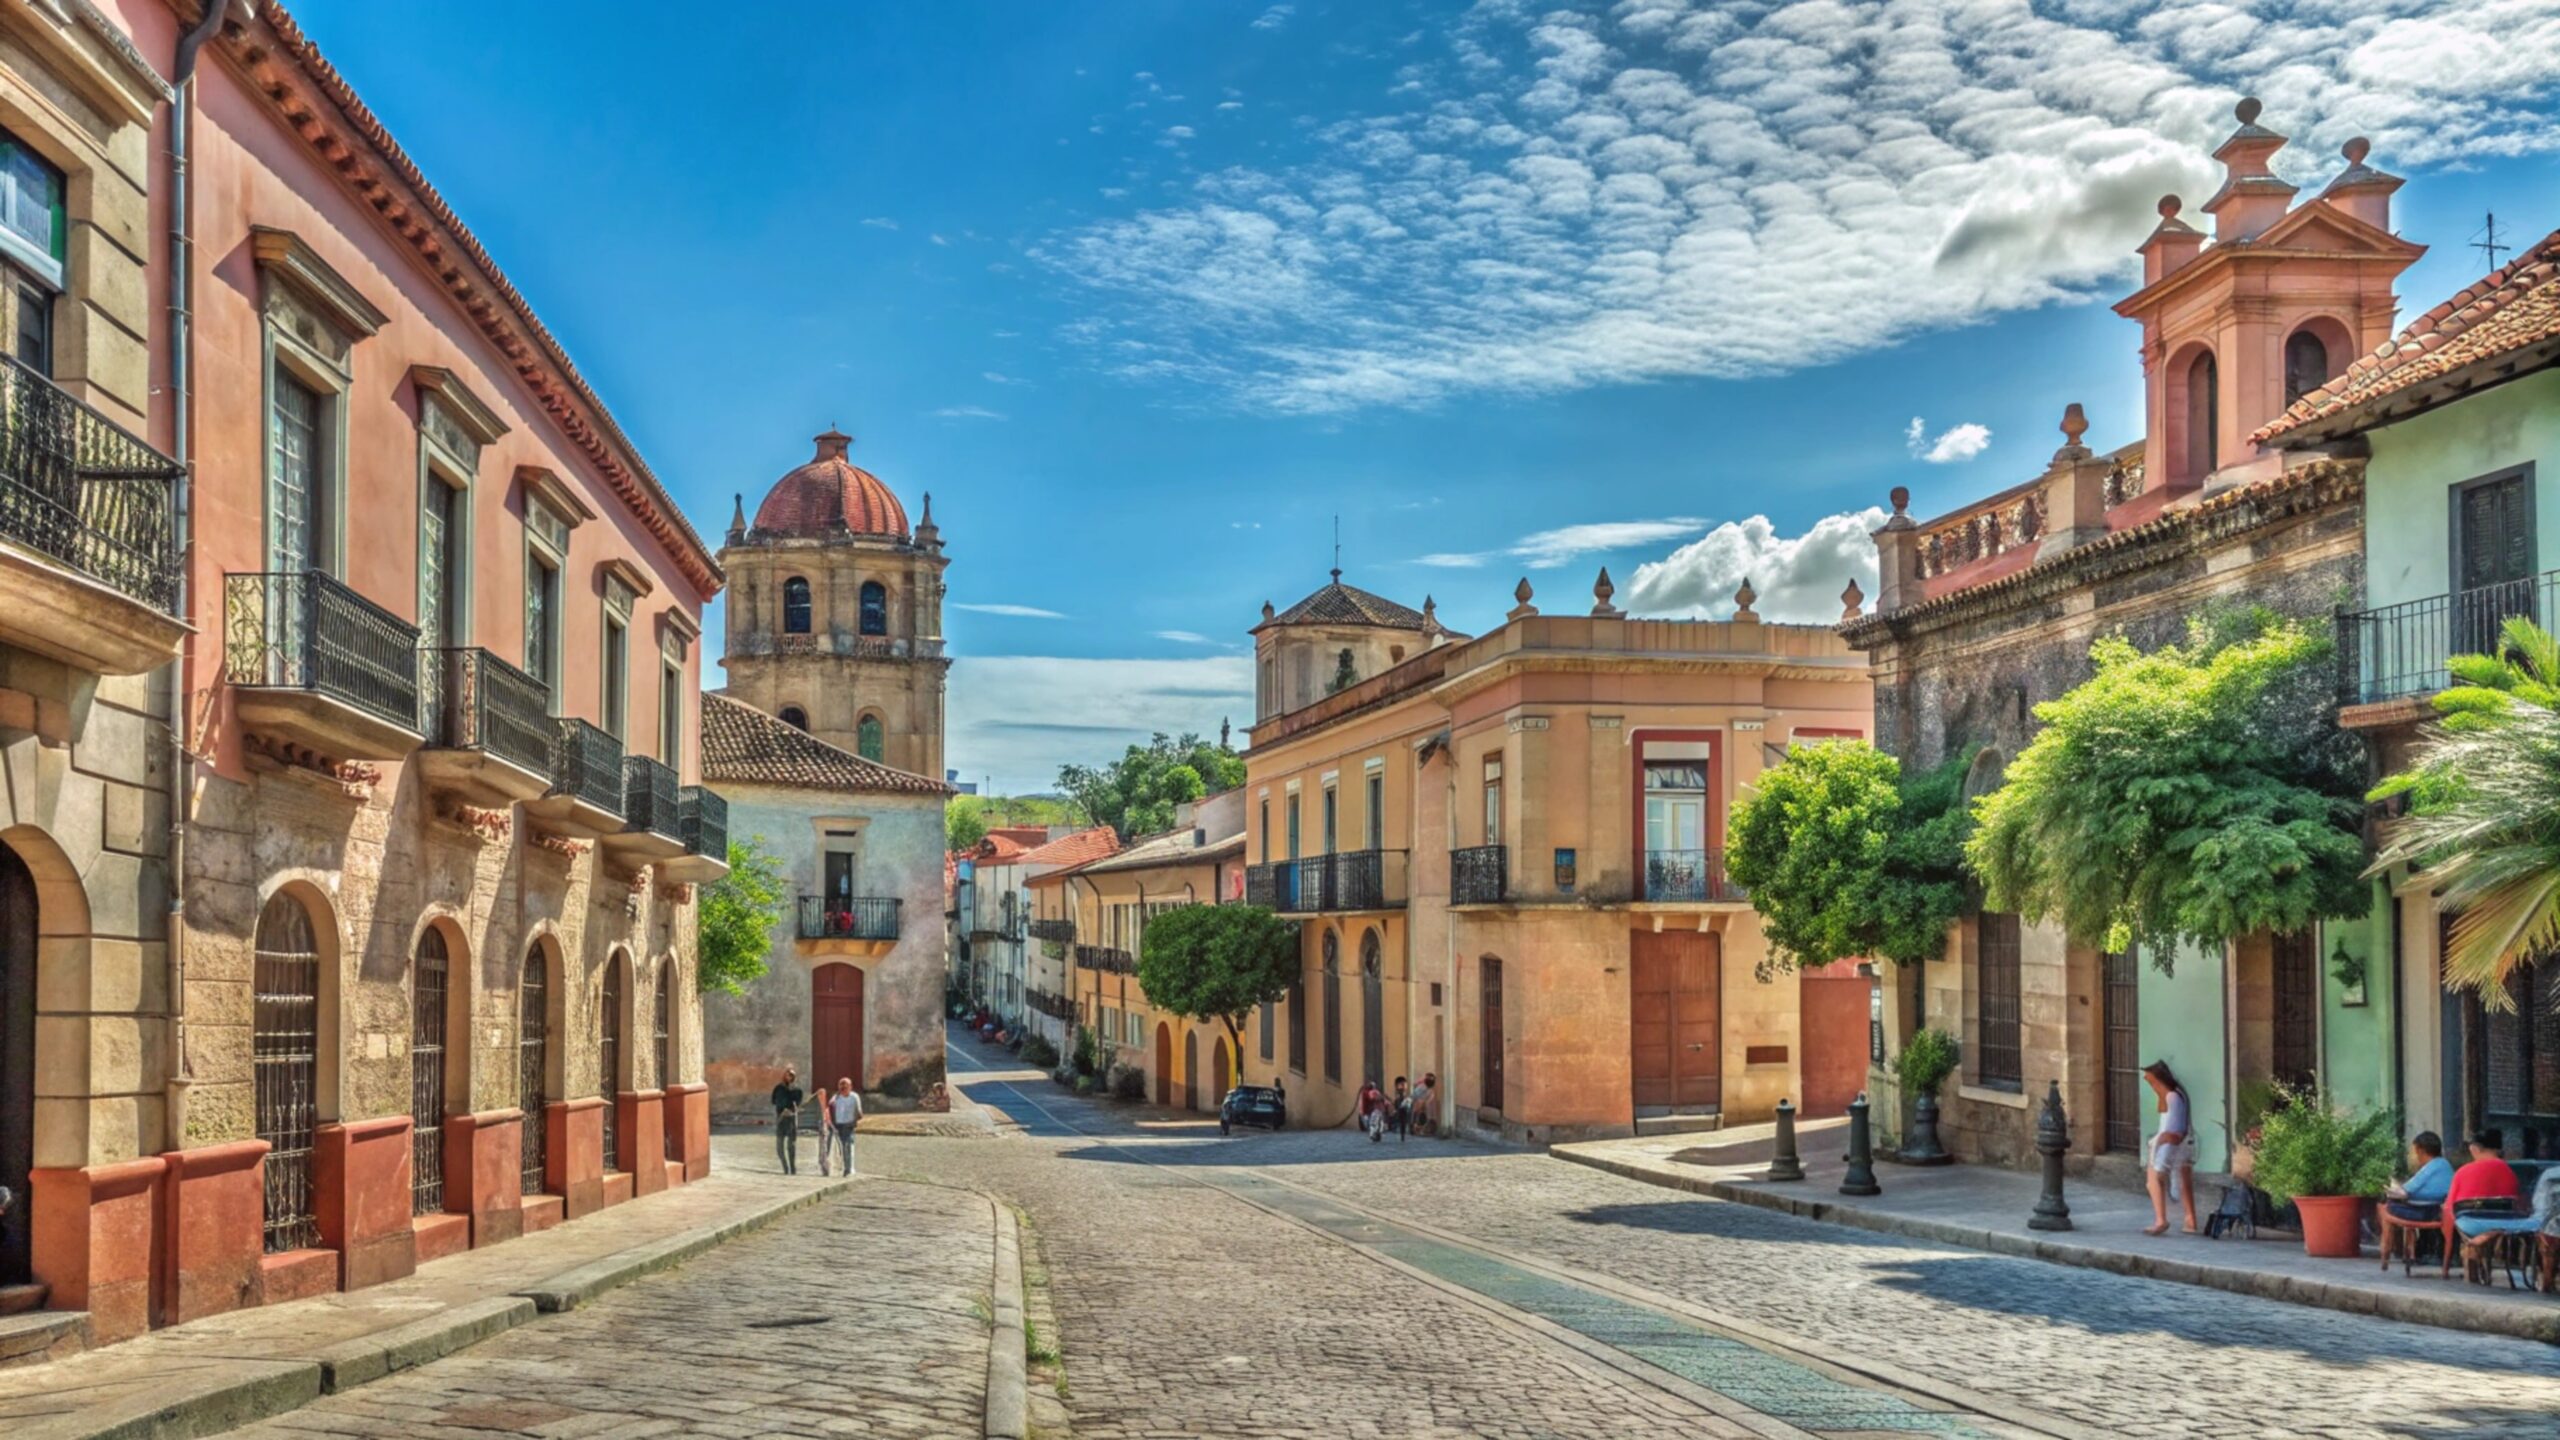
[282,254]
[563,498]
[476,419]
[560,845]
[284,68]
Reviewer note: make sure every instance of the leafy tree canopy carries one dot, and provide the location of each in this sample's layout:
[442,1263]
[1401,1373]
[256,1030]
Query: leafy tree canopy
[1217,962]
[2198,792]
[967,818]
[1136,794]
[964,822]
[735,919]
[1844,856]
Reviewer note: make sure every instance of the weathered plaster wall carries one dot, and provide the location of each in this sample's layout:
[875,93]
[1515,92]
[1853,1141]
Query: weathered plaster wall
[2415,464]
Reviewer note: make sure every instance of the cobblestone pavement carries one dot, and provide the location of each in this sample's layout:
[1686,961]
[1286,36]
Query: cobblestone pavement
[865,1315]
[1185,1310]
[2127,1356]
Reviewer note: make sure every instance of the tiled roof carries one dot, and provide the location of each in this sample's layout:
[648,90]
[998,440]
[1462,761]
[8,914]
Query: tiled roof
[1174,847]
[831,495]
[1029,837]
[2506,311]
[1340,604]
[999,849]
[1069,851]
[744,744]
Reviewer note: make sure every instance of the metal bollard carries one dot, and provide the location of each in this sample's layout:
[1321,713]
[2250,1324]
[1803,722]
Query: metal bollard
[1784,1163]
[1861,1176]
[2053,1138]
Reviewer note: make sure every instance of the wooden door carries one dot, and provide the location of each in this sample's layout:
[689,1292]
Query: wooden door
[1164,1063]
[2123,1037]
[617,987]
[1832,1008]
[2297,1010]
[1674,1015]
[1489,1038]
[2492,559]
[835,1028]
[1373,1012]
[17,1061]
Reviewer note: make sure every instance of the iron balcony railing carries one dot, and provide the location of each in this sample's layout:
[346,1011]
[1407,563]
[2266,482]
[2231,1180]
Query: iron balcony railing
[848,918]
[1479,875]
[304,630]
[1056,1007]
[1318,884]
[586,765]
[476,701]
[84,492]
[649,798]
[703,816]
[1061,931]
[1688,875]
[1107,958]
[2394,651]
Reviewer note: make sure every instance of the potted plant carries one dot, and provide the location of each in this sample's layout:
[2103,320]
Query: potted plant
[2328,1162]
[1927,1059]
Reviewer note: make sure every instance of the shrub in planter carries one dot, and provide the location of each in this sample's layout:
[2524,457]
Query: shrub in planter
[1038,1051]
[2326,1161]
[1927,1059]
[1129,1084]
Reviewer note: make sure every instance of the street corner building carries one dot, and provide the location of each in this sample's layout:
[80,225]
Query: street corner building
[853,985]
[347,659]
[1013,928]
[1990,610]
[1506,857]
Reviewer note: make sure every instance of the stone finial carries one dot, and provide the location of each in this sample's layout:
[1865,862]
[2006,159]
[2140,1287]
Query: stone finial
[2170,205]
[1521,593]
[2356,149]
[1901,502]
[1742,599]
[1601,590]
[928,534]
[1430,615]
[2075,424]
[1853,601]
[737,517]
[1268,612]
[2247,111]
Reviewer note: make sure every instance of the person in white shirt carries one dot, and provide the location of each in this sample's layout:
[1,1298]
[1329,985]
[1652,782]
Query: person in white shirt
[844,1111]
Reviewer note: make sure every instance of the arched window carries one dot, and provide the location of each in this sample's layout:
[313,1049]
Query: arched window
[666,1031]
[870,739]
[285,1062]
[617,983]
[2306,364]
[1332,1008]
[1984,775]
[428,992]
[795,606]
[1373,1011]
[533,1061]
[795,717]
[2204,417]
[875,608]
[1298,1026]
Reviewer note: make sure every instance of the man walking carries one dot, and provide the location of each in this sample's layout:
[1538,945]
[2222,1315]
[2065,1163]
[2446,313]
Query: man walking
[787,1098]
[844,1112]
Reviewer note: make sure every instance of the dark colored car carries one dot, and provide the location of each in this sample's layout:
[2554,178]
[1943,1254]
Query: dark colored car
[1253,1105]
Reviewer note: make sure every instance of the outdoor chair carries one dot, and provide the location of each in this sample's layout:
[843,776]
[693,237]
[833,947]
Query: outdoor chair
[2451,1239]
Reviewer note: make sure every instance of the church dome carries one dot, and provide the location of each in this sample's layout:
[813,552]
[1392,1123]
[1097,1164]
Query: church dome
[831,495]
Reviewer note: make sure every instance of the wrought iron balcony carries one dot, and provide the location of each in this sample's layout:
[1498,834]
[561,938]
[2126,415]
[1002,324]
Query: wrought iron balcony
[857,918]
[85,493]
[320,666]
[1479,875]
[1688,876]
[1110,959]
[586,765]
[2396,651]
[1061,931]
[703,817]
[1056,1007]
[651,828]
[1320,884]
[488,725]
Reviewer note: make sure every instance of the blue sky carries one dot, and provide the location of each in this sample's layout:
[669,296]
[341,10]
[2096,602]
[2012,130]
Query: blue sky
[1147,292]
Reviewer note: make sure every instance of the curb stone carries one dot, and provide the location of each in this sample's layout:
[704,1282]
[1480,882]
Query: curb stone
[274,1388]
[571,1288]
[1008,1364]
[368,1358]
[2444,1312]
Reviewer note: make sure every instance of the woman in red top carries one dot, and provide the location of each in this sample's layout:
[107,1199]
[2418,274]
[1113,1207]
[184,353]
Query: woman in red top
[2488,1176]
[1373,1110]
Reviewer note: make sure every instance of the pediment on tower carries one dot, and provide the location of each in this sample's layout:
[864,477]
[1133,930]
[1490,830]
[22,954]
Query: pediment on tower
[2320,226]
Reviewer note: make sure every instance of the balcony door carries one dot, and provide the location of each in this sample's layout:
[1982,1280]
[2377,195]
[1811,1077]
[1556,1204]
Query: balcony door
[2492,558]
[1675,829]
[295,475]
[439,607]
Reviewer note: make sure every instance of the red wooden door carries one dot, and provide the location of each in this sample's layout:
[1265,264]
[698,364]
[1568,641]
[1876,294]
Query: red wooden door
[1833,1010]
[835,1028]
[1164,1063]
[1190,1070]
[1489,1038]
[1674,1015]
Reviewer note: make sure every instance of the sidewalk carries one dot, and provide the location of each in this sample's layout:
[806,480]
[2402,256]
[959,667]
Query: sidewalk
[1983,1208]
[228,1370]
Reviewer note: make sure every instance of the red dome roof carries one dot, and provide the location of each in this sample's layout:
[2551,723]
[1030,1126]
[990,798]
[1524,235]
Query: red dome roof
[831,492]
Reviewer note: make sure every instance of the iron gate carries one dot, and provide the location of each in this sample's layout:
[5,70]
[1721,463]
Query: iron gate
[666,1046]
[426,1075]
[609,1058]
[286,1061]
[2123,993]
[533,1061]
[1373,1012]
[2297,1005]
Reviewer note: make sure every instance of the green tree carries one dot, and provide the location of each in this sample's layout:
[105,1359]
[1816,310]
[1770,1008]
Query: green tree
[2199,792]
[2484,817]
[735,919]
[964,822]
[1217,962]
[1845,856]
[1136,794]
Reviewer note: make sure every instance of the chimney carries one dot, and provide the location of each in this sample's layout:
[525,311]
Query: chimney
[2361,190]
[2171,246]
[2075,492]
[2251,197]
[1898,558]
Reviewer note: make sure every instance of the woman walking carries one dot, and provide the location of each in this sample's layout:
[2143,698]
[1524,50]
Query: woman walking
[2173,1149]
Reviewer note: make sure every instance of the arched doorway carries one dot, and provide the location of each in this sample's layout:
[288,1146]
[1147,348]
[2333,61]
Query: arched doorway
[835,1026]
[430,984]
[1223,1069]
[1373,1011]
[1164,1063]
[1190,1070]
[1332,1008]
[285,1061]
[533,1062]
[617,989]
[17,1060]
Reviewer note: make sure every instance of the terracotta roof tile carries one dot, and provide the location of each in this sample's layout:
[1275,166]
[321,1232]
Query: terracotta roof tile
[1070,851]
[741,743]
[829,496]
[1340,604]
[2505,311]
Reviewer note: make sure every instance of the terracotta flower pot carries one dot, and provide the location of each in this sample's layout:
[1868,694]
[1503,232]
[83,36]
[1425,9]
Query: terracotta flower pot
[2329,1225]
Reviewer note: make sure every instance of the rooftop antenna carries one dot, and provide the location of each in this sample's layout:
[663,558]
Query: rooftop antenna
[2485,240]
[1337,547]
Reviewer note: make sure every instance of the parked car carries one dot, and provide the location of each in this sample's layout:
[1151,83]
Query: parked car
[1258,1105]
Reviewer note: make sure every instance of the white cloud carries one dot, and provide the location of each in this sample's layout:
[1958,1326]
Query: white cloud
[1179,132]
[1230,104]
[1020,717]
[1275,17]
[1185,637]
[880,222]
[998,377]
[1022,612]
[1548,549]
[1574,199]
[1953,445]
[1797,578]
[967,412]
[938,240]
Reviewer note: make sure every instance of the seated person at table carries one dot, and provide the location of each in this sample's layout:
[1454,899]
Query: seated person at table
[2479,1231]
[2419,1201]
[2488,1176]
